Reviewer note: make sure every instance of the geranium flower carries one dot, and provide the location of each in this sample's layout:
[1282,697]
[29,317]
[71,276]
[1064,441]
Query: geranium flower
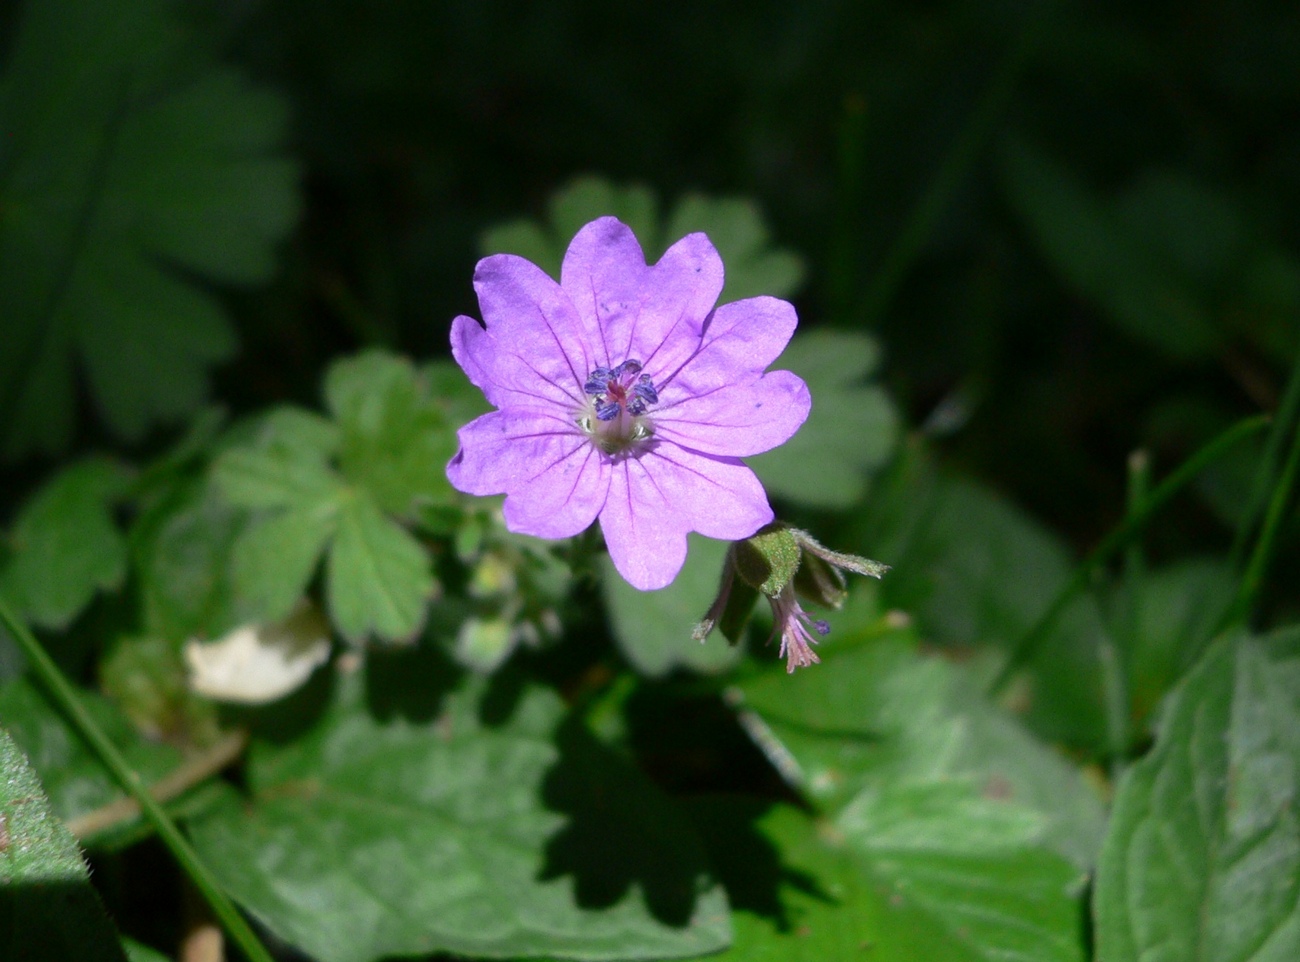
[623,394]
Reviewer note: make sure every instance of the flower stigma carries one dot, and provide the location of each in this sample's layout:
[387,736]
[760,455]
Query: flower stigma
[614,414]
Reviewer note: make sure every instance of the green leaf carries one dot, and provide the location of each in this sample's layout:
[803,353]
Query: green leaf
[736,228]
[48,910]
[396,440]
[653,628]
[182,547]
[1177,610]
[67,545]
[875,719]
[75,779]
[976,572]
[851,431]
[378,574]
[807,890]
[274,558]
[1202,859]
[130,159]
[273,478]
[367,839]
[958,819]
[460,400]
[585,198]
[139,952]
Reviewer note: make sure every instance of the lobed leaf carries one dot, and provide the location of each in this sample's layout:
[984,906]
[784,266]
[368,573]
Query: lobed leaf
[435,830]
[66,544]
[377,576]
[129,159]
[851,431]
[395,439]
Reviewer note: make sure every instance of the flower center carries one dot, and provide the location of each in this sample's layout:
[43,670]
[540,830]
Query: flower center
[617,401]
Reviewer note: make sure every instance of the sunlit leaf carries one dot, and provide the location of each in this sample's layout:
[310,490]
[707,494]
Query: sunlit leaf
[66,545]
[435,831]
[48,910]
[1202,859]
[130,161]
[378,575]
[875,718]
[395,438]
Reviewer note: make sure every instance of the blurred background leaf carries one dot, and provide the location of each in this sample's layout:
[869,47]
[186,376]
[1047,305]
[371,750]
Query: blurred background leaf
[145,164]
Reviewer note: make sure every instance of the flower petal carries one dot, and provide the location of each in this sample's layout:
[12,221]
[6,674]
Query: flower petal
[679,292]
[538,343]
[645,540]
[554,480]
[720,497]
[738,420]
[656,498]
[741,339]
[474,352]
[603,274]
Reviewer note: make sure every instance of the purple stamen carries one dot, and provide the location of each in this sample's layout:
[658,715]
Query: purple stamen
[598,380]
[614,390]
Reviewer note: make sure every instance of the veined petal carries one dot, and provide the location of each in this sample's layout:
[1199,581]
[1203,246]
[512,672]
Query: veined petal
[741,339]
[603,275]
[655,499]
[476,355]
[720,497]
[738,420]
[679,292]
[537,337]
[503,450]
[565,499]
[554,480]
[645,538]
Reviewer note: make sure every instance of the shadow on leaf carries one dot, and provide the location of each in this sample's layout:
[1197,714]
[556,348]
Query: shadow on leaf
[409,682]
[744,858]
[622,833]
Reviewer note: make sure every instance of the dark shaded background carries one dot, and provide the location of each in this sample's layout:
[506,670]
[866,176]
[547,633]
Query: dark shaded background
[884,143]
[421,124]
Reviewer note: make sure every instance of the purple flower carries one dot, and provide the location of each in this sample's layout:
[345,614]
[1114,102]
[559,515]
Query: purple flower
[792,622]
[623,394]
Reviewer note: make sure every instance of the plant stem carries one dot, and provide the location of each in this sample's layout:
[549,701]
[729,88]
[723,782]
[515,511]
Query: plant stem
[1285,421]
[1126,627]
[64,698]
[1025,649]
[174,783]
[1253,577]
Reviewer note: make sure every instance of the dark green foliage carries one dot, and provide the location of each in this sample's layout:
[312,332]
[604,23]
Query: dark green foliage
[119,176]
[1024,245]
